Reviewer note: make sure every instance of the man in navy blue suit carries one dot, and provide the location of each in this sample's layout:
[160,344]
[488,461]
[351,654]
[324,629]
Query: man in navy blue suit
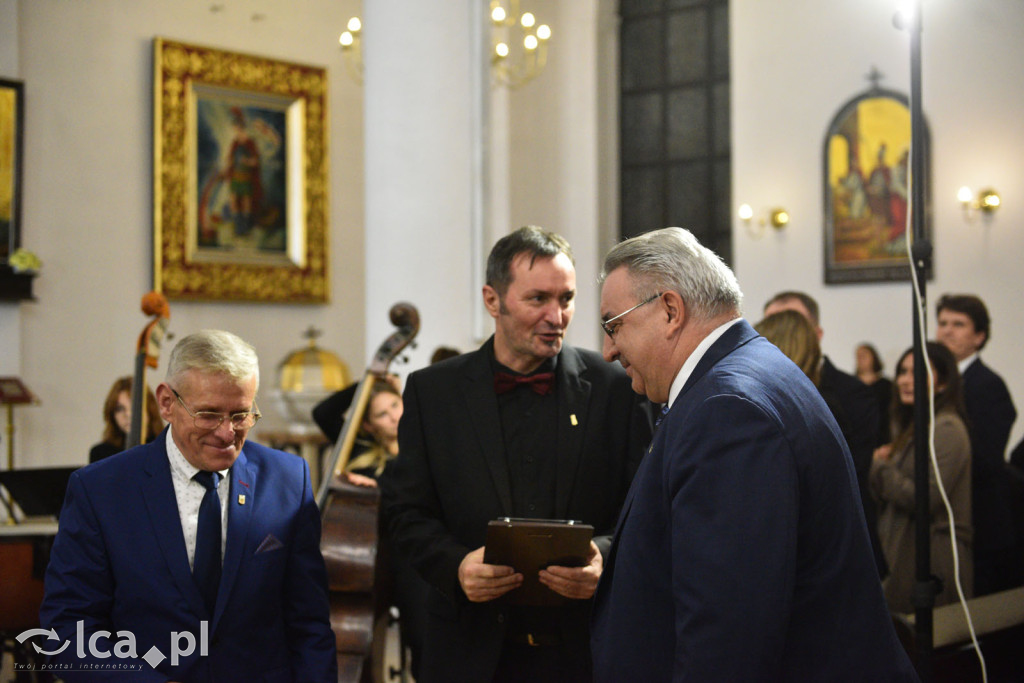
[964,327]
[136,576]
[741,552]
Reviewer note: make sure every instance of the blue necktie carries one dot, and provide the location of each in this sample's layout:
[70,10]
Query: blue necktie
[206,566]
[664,412]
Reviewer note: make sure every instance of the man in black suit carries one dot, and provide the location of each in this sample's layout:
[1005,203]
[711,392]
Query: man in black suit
[856,403]
[964,327]
[525,426]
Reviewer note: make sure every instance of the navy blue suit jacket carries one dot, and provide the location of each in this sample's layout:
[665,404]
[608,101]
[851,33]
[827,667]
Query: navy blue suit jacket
[119,564]
[741,553]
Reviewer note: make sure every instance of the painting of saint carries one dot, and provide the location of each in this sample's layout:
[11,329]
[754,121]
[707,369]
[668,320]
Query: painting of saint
[241,178]
[867,153]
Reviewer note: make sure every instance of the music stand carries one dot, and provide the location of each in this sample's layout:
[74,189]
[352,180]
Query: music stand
[13,392]
[38,492]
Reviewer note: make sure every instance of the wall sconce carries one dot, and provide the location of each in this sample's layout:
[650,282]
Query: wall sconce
[778,217]
[986,201]
[351,42]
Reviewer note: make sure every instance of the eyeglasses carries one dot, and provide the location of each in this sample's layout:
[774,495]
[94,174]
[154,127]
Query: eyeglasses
[208,421]
[610,330]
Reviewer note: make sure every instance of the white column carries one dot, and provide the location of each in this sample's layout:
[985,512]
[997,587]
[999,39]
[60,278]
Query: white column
[423,135]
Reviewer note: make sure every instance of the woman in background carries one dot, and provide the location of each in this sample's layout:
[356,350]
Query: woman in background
[377,442]
[892,483]
[796,338]
[869,371]
[117,419]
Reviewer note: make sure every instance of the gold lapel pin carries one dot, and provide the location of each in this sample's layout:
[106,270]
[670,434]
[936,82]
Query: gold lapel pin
[241,499]
[572,420]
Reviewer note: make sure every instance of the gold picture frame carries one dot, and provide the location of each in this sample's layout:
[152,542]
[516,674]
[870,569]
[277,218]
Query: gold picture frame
[12,118]
[866,189]
[239,176]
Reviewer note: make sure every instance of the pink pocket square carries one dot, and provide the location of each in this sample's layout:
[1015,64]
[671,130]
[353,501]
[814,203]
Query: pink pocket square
[269,543]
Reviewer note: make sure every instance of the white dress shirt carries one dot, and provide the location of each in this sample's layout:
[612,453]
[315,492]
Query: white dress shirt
[698,353]
[189,494]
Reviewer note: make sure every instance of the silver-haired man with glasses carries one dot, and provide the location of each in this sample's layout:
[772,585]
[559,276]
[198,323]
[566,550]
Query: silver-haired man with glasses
[182,545]
[741,553]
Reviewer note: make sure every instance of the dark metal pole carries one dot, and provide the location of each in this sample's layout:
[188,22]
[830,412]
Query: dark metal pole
[925,588]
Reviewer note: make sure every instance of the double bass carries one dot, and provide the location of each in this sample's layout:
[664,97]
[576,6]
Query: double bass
[147,353]
[350,518]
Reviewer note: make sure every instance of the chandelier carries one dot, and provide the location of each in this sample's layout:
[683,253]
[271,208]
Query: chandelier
[519,45]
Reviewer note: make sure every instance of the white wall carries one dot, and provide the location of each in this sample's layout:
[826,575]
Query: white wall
[87,67]
[419,152]
[544,142]
[88,186]
[794,64]
[557,134]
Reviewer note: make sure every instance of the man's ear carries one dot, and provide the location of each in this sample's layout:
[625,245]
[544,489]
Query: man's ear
[674,310]
[492,301]
[165,400]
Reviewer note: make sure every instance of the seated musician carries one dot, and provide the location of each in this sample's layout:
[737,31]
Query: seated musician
[117,419]
[376,443]
[375,448]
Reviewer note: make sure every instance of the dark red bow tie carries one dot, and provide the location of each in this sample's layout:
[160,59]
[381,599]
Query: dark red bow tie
[542,383]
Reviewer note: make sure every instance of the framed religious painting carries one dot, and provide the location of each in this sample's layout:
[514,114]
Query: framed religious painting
[866,181]
[12,114]
[240,176]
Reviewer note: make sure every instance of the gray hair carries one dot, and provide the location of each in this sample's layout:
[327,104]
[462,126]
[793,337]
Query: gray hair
[214,351]
[672,259]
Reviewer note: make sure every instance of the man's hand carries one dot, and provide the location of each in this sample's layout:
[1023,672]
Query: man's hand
[360,480]
[482,582]
[578,583]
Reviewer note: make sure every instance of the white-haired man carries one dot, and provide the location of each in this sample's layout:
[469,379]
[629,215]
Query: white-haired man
[741,553]
[199,534]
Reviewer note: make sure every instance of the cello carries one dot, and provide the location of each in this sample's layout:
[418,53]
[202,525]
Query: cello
[350,517]
[147,353]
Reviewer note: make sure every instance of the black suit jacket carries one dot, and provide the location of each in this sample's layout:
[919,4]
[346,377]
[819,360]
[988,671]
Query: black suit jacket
[859,407]
[990,416]
[451,478]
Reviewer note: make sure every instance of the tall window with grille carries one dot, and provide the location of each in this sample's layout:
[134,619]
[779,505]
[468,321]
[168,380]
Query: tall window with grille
[674,118]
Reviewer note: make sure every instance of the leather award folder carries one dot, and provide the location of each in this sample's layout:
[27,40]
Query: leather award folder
[529,545]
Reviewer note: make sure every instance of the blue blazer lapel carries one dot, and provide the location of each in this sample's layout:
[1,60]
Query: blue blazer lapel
[737,335]
[573,399]
[482,413]
[240,514]
[734,337]
[162,507]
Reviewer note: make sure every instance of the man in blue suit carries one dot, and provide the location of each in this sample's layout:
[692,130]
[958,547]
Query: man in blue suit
[741,552]
[136,587]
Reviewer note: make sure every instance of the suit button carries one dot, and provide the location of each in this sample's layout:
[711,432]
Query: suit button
[501,618]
